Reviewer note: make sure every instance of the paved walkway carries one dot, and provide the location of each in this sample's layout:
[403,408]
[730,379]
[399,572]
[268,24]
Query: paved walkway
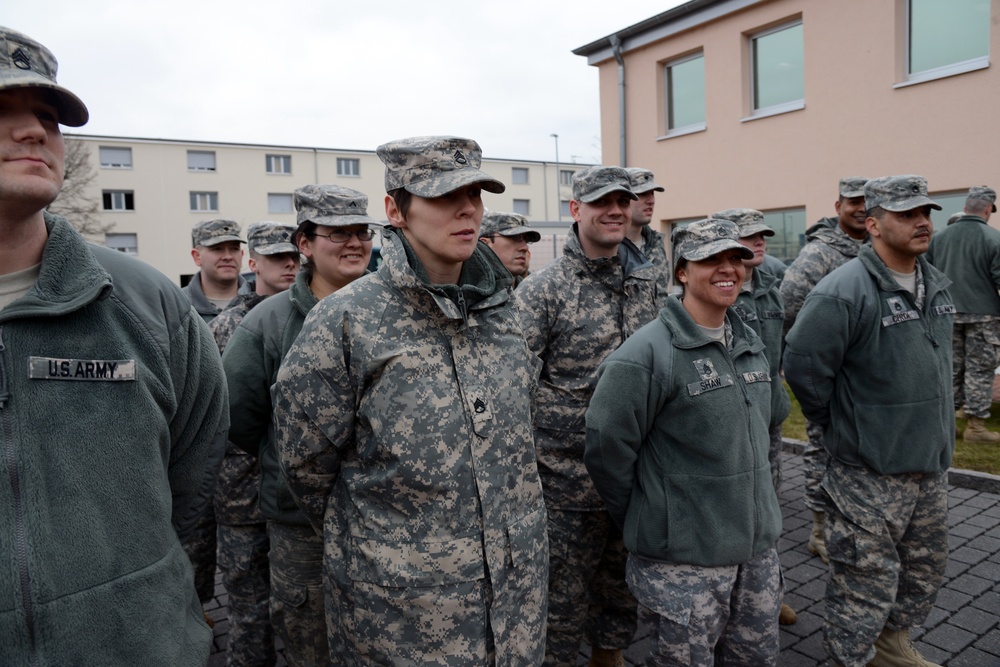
[963,629]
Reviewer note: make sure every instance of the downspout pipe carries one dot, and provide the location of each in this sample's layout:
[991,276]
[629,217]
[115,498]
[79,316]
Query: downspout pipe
[616,46]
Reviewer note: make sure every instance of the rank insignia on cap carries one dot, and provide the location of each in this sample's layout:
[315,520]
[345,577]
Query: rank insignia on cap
[460,158]
[21,59]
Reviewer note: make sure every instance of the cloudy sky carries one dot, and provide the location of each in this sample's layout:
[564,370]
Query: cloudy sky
[336,74]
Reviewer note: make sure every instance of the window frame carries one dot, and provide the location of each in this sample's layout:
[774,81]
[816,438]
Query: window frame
[520,170]
[569,173]
[526,205]
[132,250]
[912,78]
[212,198]
[278,159]
[126,197]
[690,128]
[207,170]
[114,165]
[284,197]
[781,107]
[353,172]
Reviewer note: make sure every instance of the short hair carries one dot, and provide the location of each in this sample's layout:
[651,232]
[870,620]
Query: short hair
[876,212]
[977,206]
[306,228]
[403,198]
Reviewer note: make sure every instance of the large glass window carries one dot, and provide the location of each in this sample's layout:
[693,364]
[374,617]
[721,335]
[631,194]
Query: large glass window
[951,202]
[778,69]
[685,87]
[789,227]
[947,37]
[115,158]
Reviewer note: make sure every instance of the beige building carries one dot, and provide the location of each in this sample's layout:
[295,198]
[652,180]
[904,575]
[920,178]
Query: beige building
[153,190]
[766,104]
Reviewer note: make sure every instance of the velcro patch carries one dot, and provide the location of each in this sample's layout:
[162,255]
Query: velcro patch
[947,309]
[88,370]
[756,376]
[896,318]
[710,384]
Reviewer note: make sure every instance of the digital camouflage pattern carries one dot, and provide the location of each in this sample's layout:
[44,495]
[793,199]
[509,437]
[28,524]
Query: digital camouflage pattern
[331,206]
[212,232]
[976,350]
[507,224]
[434,166]
[852,186]
[983,193]
[898,193]
[655,250]
[404,432]
[592,183]
[887,539]
[26,63]
[702,239]
[750,221]
[642,180]
[270,238]
[709,615]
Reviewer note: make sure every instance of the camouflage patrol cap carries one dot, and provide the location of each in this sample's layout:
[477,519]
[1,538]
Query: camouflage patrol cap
[750,221]
[24,63]
[331,206]
[898,193]
[641,180]
[434,166]
[984,193]
[702,239]
[852,186]
[592,183]
[270,238]
[213,232]
[507,224]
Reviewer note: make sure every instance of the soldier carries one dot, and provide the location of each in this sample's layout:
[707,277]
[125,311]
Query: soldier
[830,243]
[242,534]
[641,233]
[508,235]
[969,254]
[677,445]
[887,420]
[575,312]
[335,237]
[403,415]
[219,256]
[112,402]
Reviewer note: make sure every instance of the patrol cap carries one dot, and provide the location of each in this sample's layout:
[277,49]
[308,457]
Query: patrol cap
[984,193]
[507,224]
[704,238]
[852,186]
[898,193]
[434,166]
[592,183]
[213,232]
[24,63]
[641,180]
[270,238]
[749,221]
[331,206]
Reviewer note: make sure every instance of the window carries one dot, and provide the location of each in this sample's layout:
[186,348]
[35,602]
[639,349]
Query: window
[278,164]
[522,206]
[685,86]
[789,227]
[279,203]
[118,200]
[564,209]
[201,160]
[945,37]
[204,201]
[777,70]
[125,243]
[115,158]
[951,202]
[519,175]
[347,166]
[566,176]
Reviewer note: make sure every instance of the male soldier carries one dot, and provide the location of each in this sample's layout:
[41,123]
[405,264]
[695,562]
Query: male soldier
[887,420]
[647,239]
[242,535]
[219,256]
[575,312]
[830,243]
[508,235]
[969,253]
[113,403]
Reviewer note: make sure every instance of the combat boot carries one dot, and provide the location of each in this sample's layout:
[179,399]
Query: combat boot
[817,545]
[787,615]
[606,657]
[894,649]
[976,431]
[960,413]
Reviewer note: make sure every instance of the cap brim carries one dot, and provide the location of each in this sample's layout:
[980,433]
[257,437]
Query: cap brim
[220,239]
[443,182]
[275,249]
[608,189]
[72,111]
[911,203]
[714,248]
[342,220]
[522,230]
[648,187]
[759,228]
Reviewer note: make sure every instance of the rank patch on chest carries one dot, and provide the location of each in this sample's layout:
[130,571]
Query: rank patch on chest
[87,370]
[710,378]
[899,311]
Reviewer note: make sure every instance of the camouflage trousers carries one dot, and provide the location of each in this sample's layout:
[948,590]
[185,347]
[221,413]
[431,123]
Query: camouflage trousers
[887,538]
[816,460]
[974,347]
[588,597]
[243,561]
[704,616]
[774,456]
[297,607]
[200,547]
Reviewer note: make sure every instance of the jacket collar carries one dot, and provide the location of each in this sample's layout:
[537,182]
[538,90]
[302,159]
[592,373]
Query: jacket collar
[629,258]
[935,280]
[300,295]
[686,334]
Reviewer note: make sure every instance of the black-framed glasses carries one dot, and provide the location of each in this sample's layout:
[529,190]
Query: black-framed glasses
[516,237]
[344,235]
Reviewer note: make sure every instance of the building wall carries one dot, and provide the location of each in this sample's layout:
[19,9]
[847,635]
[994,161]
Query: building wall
[161,183]
[855,122]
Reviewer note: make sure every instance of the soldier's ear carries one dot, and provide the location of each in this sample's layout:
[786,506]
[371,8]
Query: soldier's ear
[393,214]
[871,224]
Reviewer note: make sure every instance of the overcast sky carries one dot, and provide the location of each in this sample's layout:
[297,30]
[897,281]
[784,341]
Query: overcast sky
[336,74]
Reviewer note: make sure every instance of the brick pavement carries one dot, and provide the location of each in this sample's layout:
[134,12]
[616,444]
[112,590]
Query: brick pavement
[963,629]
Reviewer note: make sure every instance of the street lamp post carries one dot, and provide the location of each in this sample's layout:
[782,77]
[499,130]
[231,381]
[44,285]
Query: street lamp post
[558,181]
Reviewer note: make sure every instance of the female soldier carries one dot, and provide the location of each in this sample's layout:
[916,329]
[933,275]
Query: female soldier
[335,237]
[677,445]
[404,432]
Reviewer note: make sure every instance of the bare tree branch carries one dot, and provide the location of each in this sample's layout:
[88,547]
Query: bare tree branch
[73,202]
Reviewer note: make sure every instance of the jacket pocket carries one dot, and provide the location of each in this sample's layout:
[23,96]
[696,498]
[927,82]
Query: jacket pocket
[527,537]
[894,439]
[416,564]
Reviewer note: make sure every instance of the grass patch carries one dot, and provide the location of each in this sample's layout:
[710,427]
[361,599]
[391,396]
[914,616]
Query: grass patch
[979,456]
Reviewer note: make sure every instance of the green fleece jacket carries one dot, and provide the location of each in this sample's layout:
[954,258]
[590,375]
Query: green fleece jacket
[968,252]
[112,405]
[677,443]
[251,360]
[762,310]
[874,369]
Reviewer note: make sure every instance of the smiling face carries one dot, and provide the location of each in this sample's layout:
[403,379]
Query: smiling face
[32,152]
[899,237]
[334,264]
[220,263]
[712,285]
[851,216]
[602,223]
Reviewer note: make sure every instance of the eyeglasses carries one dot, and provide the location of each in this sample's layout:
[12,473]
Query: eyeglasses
[515,237]
[344,235]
